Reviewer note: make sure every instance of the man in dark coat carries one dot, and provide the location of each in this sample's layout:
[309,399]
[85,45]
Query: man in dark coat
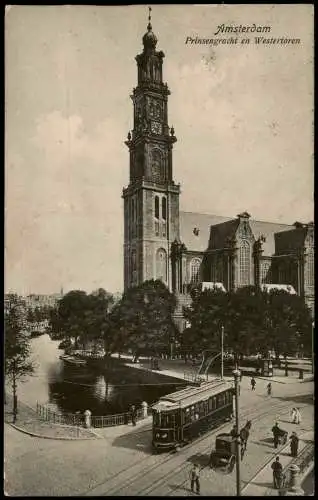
[277,473]
[133,415]
[294,443]
[276,433]
[253,383]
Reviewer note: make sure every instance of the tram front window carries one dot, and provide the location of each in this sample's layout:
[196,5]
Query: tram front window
[163,420]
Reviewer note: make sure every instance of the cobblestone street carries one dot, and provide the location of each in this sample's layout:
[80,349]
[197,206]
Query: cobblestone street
[122,462]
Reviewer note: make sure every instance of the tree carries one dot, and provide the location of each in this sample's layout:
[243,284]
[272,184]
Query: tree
[206,315]
[144,317]
[17,346]
[84,319]
[99,326]
[254,321]
[69,321]
[288,322]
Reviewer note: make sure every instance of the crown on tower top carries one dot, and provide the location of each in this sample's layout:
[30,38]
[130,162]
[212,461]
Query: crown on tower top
[149,39]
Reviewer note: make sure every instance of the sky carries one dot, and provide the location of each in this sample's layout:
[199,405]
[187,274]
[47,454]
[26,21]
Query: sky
[243,116]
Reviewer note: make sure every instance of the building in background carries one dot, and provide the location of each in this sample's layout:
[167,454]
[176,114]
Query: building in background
[184,249]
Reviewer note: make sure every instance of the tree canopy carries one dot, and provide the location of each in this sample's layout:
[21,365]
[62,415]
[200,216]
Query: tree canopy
[144,317]
[253,321]
[83,318]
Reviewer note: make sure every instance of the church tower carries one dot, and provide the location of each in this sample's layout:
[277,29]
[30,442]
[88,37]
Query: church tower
[151,200]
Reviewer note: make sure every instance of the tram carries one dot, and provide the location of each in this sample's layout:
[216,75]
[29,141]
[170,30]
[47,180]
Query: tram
[180,417]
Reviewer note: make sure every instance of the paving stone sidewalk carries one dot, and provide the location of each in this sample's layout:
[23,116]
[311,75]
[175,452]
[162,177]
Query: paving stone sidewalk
[29,422]
[180,370]
[259,486]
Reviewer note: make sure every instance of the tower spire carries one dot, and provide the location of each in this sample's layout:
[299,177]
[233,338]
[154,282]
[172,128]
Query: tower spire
[149,19]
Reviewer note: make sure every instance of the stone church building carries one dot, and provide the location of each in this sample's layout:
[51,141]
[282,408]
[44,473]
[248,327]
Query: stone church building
[184,249]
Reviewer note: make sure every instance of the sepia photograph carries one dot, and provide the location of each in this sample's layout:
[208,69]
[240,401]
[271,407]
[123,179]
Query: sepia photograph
[159,305]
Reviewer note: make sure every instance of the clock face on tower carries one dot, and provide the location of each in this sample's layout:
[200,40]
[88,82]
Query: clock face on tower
[156,127]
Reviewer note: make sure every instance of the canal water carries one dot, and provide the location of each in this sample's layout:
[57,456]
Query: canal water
[72,389]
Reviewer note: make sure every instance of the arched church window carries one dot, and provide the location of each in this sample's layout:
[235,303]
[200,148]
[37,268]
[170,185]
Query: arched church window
[265,272]
[161,265]
[195,270]
[157,207]
[133,266]
[309,268]
[245,263]
[164,208]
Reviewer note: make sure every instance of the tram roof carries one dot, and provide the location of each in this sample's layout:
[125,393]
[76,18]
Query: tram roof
[191,395]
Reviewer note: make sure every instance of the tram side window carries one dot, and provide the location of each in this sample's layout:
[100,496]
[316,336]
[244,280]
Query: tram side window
[156,418]
[214,402]
[187,416]
[210,404]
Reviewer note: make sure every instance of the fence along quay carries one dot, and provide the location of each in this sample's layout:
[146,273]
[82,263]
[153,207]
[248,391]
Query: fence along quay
[46,413]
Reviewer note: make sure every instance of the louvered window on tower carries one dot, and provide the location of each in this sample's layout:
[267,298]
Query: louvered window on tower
[164,208]
[157,214]
[164,215]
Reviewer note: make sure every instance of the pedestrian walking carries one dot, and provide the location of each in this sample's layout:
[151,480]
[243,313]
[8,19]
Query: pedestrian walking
[253,383]
[298,416]
[269,389]
[294,443]
[293,415]
[276,434]
[195,479]
[277,473]
[133,415]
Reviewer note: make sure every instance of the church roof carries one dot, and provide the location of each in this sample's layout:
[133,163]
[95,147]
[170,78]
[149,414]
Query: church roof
[292,239]
[195,231]
[268,229]
[197,241]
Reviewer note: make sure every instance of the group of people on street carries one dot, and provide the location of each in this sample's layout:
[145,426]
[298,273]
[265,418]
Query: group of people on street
[294,444]
[277,467]
[268,387]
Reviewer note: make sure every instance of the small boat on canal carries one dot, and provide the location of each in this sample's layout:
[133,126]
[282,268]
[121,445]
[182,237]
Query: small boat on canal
[72,360]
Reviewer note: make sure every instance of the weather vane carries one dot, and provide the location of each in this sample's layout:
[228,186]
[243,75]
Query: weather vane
[149,17]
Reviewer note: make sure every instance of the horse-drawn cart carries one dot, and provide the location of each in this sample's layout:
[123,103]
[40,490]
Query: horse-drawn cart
[224,453]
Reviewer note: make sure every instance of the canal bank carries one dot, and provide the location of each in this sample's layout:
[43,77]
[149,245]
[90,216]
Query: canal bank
[73,389]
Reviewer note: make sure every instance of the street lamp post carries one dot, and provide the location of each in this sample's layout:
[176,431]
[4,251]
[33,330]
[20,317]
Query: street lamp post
[222,354]
[237,375]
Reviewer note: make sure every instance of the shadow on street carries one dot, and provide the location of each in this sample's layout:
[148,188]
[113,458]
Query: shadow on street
[300,399]
[135,441]
[200,459]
